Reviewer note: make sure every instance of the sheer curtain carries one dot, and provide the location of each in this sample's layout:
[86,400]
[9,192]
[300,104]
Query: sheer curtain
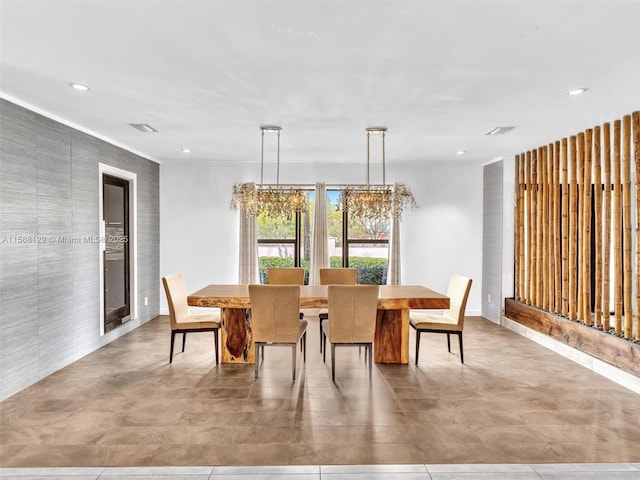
[319,244]
[248,264]
[393,273]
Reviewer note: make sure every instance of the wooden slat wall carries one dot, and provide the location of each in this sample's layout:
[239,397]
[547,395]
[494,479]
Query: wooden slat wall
[573,211]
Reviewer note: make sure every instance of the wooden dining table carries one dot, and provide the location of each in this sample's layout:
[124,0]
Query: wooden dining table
[391,343]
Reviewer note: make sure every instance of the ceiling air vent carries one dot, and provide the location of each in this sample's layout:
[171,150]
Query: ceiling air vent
[143,127]
[500,130]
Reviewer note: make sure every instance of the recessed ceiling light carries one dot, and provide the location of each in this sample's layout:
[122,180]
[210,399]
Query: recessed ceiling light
[577,91]
[460,152]
[186,150]
[79,86]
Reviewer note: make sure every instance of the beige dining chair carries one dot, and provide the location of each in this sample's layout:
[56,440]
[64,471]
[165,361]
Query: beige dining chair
[286,276]
[451,321]
[275,320]
[180,319]
[352,320]
[335,276]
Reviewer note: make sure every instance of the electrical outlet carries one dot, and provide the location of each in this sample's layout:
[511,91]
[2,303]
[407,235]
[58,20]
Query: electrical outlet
[489,298]
[146,301]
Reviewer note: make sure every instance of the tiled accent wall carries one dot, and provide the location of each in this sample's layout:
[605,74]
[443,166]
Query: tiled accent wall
[492,241]
[49,290]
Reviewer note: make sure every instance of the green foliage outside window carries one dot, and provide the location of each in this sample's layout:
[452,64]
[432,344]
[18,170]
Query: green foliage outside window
[370,270]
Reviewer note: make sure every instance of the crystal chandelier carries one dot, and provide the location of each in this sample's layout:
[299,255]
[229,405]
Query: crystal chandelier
[377,202]
[272,200]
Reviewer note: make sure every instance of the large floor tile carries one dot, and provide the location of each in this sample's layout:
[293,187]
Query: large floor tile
[512,402]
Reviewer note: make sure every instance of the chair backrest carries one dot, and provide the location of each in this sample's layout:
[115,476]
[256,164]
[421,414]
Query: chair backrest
[352,313]
[458,292]
[275,313]
[176,292]
[285,276]
[338,276]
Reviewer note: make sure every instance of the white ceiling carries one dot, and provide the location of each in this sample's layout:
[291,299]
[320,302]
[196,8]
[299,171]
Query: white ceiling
[438,74]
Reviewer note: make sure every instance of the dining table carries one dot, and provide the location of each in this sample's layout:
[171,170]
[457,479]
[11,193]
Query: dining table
[391,342]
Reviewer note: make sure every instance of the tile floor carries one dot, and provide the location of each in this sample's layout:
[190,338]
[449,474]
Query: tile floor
[513,402]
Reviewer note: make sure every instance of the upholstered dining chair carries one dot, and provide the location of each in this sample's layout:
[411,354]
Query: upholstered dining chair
[180,319]
[286,276]
[451,321]
[352,320]
[335,276]
[275,320]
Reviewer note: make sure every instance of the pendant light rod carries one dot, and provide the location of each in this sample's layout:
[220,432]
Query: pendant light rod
[383,131]
[262,158]
[278,161]
[263,129]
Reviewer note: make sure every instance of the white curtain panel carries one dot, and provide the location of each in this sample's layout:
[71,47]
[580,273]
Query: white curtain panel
[393,273]
[248,264]
[320,239]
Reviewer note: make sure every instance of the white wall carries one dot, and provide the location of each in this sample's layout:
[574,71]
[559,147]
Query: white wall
[198,231]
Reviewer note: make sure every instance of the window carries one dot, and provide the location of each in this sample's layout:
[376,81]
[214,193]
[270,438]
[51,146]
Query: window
[285,242]
[366,241]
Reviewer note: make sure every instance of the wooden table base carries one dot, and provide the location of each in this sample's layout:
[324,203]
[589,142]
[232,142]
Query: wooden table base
[237,338]
[391,343]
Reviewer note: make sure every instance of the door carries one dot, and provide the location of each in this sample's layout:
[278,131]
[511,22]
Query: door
[115,213]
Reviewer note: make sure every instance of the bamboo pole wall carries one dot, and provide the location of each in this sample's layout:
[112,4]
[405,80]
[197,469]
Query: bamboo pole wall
[577,226]
[516,223]
[565,230]
[626,223]
[573,232]
[580,252]
[557,234]
[636,149]
[606,268]
[597,201]
[617,228]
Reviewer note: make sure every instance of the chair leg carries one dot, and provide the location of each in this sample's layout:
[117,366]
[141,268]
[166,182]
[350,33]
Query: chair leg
[369,349]
[184,340]
[304,351]
[293,360]
[215,335]
[417,344]
[449,343]
[320,324]
[324,348]
[173,338]
[333,362]
[461,350]
[257,355]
